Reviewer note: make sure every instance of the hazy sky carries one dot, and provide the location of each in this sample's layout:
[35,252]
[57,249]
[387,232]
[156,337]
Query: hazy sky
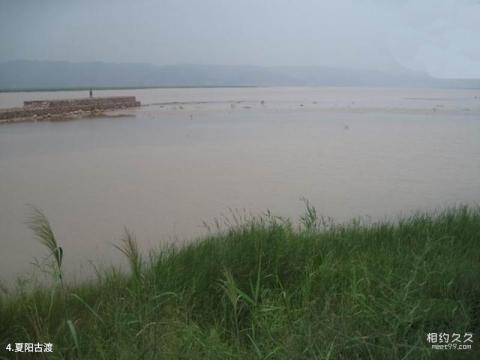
[441,37]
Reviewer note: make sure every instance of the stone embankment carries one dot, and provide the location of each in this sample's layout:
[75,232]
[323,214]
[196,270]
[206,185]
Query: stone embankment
[39,110]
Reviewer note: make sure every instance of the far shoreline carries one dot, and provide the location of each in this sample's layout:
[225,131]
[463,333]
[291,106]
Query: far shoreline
[129,88]
[105,88]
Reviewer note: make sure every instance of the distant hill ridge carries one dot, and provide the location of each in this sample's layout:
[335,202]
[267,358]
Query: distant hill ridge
[26,74]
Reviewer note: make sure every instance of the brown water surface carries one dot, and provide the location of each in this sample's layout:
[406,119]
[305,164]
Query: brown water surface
[191,154]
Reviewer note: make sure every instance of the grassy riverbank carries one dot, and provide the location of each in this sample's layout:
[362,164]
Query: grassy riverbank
[269,289]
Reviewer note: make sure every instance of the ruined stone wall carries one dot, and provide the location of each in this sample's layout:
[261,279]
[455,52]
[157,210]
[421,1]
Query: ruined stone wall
[86,102]
[46,108]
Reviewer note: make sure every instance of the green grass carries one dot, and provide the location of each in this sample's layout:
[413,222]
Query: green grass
[268,289]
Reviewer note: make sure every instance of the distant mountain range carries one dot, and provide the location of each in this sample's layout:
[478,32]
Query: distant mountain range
[28,75]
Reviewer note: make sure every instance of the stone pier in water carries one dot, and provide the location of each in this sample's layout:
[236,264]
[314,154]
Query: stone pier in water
[37,110]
